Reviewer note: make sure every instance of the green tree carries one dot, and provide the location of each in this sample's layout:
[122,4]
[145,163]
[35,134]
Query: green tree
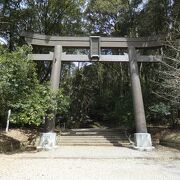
[50,17]
[17,77]
[169,84]
[115,17]
[21,91]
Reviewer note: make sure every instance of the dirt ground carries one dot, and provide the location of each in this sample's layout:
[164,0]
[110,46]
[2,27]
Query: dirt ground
[17,139]
[21,134]
[82,162]
[91,163]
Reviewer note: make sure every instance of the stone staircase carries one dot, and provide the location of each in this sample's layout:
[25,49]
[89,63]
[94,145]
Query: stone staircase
[93,137]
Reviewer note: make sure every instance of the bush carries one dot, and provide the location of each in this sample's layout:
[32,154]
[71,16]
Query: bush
[34,108]
[21,91]
[159,112]
[17,77]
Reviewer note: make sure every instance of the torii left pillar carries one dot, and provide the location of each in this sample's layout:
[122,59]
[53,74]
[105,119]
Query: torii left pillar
[48,138]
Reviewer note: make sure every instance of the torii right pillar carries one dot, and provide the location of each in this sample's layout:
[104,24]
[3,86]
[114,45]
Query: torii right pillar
[141,137]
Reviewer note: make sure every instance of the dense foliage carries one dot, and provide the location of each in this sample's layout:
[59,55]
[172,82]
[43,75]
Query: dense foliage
[98,92]
[21,91]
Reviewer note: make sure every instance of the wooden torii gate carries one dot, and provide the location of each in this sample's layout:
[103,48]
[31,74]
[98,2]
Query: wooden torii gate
[95,44]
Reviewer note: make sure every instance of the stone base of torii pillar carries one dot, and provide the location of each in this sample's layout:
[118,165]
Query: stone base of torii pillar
[47,141]
[143,142]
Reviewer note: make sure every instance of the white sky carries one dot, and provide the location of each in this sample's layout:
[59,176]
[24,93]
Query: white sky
[3,41]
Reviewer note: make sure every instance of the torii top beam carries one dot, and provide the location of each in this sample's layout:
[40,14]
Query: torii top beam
[84,42]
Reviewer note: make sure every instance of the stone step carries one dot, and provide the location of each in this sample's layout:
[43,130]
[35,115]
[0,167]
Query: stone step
[95,140]
[91,141]
[94,129]
[90,134]
[93,137]
[94,144]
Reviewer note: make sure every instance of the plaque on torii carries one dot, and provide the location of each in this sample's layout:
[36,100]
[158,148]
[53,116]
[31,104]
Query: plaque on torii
[95,44]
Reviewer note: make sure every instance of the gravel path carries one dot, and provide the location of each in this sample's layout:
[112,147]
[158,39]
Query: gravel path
[91,163]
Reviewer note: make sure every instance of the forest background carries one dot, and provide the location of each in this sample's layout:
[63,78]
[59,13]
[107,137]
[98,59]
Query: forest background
[91,94]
